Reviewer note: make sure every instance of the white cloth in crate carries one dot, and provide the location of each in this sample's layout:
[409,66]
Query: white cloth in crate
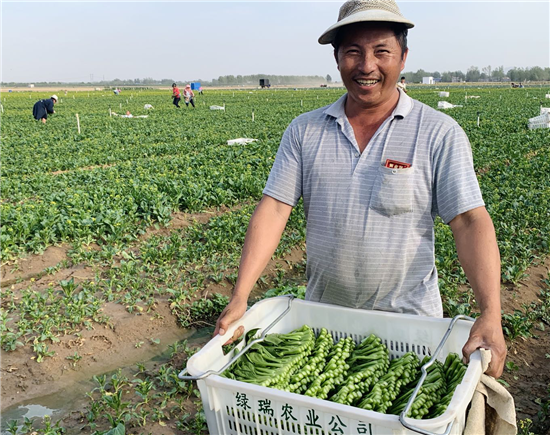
[492,411]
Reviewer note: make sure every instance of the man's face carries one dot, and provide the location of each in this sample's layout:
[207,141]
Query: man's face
[370,63]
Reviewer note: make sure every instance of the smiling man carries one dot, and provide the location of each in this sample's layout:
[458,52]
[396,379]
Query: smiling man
[374,170]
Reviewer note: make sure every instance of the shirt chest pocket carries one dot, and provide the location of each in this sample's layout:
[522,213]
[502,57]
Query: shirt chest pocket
[392,194]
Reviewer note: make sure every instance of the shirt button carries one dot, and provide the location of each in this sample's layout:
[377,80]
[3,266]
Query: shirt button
[394,171]
[357,154]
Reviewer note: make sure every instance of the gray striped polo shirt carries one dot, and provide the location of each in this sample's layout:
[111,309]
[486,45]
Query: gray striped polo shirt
[370,228]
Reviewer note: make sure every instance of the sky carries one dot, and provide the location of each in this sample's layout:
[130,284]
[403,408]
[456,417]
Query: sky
[80,41]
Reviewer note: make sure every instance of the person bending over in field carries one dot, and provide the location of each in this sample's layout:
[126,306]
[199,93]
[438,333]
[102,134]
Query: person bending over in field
[41,108]
[374,169]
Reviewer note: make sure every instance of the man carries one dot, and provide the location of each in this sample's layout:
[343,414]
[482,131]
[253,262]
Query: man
[402,85]
[374,169]
[41,108]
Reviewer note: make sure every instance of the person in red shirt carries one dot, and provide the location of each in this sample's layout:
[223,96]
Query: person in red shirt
[176,95]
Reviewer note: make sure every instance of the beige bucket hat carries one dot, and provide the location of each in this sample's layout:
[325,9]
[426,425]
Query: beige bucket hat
[356,11]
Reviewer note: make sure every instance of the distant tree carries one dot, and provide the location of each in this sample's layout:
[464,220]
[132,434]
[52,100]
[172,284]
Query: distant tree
[417,76]
[459,75]
[517,74]
[498,73]
[329,78]
[486,72]
[536,74]
[473,74]
[446,77]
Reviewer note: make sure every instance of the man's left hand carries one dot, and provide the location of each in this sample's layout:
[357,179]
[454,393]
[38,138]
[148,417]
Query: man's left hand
[487,334]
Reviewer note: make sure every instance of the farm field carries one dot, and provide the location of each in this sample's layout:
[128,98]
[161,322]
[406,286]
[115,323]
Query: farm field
[120,245]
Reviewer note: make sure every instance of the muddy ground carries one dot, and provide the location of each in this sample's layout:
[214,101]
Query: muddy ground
[131,338]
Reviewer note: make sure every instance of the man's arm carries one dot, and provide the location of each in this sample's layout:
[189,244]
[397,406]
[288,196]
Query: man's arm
[478,253]
[262,238]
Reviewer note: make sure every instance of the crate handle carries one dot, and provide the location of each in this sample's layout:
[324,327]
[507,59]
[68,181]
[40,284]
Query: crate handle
[423,378]
[244,349]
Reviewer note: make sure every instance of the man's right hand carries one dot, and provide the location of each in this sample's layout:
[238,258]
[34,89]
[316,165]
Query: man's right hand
[234,310]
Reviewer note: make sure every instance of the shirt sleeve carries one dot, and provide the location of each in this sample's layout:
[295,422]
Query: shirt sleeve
[456,189]
[285,179]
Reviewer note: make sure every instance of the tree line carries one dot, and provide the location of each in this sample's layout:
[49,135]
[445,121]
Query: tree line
[486,74]
[473,74]
[228,80]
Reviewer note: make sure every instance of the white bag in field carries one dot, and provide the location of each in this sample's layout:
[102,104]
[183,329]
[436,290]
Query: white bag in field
[445,105]
[217,108]
[240,141]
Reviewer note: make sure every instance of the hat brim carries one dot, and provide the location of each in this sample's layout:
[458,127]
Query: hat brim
[363,17]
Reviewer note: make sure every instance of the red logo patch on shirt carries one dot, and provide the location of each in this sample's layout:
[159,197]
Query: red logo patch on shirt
[394,164]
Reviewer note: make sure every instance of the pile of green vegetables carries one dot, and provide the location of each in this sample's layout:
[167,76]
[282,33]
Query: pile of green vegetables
[358,375]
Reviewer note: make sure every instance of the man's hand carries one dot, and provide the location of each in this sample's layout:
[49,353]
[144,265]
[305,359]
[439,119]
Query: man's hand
[487,334]
[234,310]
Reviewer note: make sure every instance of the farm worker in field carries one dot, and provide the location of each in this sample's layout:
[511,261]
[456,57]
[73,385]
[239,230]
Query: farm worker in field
[189,96]
[176,95]
[200,90]
[402,85]
[374,169]
[41,108]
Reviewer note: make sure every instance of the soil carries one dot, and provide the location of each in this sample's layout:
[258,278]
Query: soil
[128,338]
[531,380]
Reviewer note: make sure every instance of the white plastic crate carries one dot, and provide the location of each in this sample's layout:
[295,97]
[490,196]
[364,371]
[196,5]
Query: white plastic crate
[542,121]
[544,110]
[233,407]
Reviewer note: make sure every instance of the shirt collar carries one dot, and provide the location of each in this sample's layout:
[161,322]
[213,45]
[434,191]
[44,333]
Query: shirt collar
[403,108]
